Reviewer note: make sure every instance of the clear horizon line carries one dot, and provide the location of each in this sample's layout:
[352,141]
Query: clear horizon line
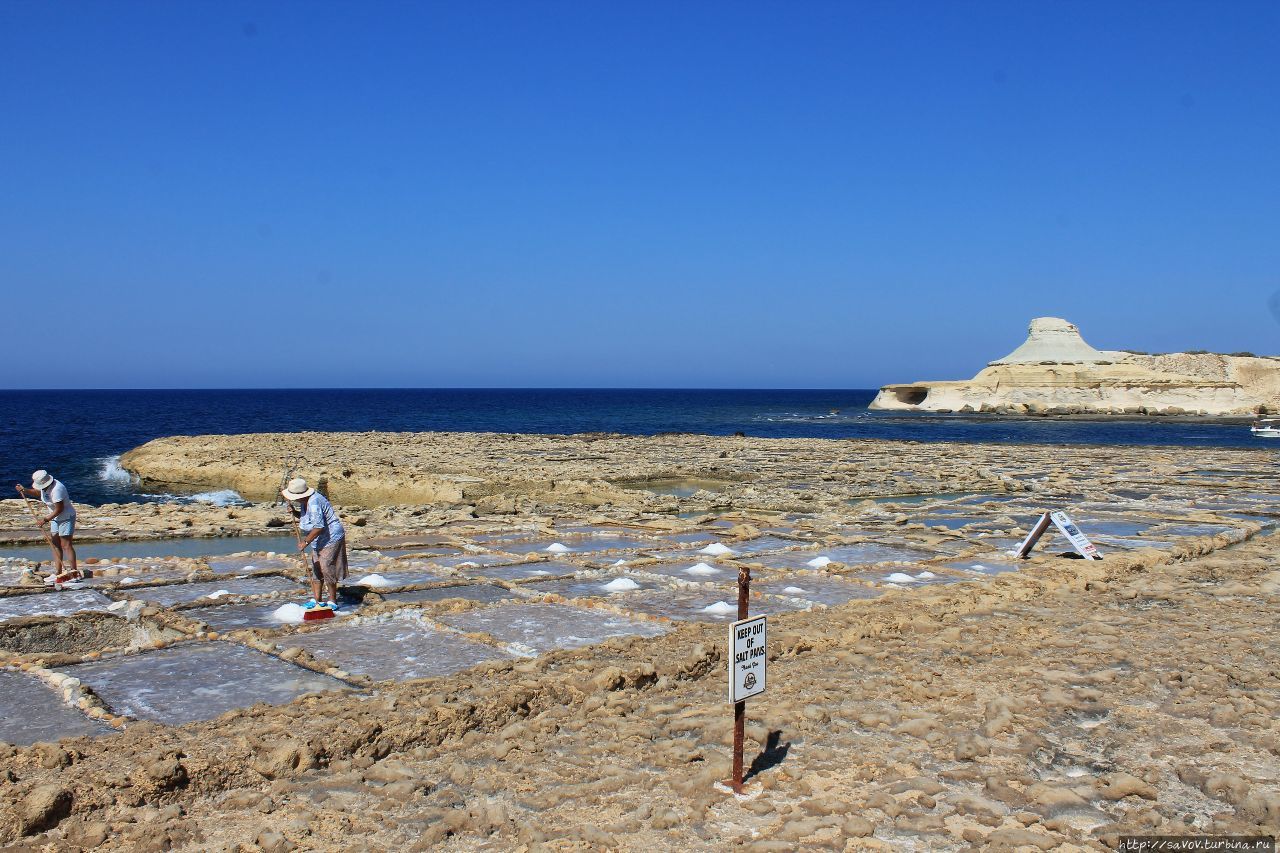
[437,388]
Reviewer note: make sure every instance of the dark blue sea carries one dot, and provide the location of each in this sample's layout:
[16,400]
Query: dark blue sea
[76,435]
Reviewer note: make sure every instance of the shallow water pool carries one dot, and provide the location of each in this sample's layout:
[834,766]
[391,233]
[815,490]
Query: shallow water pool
[542,627]
[31,711]
[399,648]
[200,681]
[214,546]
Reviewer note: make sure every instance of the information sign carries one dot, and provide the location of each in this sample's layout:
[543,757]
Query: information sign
[747,659]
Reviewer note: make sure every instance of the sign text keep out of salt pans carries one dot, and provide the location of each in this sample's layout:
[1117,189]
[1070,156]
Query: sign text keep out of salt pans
[747,658]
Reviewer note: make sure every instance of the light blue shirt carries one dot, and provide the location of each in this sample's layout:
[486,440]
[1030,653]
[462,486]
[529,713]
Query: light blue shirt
[320,515]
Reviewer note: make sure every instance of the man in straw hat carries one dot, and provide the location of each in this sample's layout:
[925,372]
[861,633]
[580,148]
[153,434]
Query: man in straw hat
[61,519]
[325,534]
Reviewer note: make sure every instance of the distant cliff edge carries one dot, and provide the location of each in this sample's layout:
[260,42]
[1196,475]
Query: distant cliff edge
[1055,372]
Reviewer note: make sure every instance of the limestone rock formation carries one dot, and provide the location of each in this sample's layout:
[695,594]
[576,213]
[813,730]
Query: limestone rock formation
[1055,372]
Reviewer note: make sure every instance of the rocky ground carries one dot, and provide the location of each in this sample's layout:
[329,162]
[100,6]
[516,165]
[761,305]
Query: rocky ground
[1052,709]
[1057,707]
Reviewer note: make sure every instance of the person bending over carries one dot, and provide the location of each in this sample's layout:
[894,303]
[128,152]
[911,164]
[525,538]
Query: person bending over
[324,534]
[61,518]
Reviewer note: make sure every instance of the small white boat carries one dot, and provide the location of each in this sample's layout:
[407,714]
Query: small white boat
[1266,428]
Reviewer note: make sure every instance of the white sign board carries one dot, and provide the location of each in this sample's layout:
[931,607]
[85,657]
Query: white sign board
[1079,541]
[1063,522]
[747,658]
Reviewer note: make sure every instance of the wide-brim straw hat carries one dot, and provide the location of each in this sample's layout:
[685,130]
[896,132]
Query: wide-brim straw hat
[41,479]
[297,490]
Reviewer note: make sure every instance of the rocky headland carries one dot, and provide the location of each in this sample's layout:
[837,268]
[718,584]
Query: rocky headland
[1054,372]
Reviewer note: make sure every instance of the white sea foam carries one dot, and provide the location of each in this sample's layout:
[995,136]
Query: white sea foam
[109,471]
[621,585]
[716,549]
[288,613]
[720,608]
[819,562]
[557,548]
[222,497]
[702,569]
[901,577]
[374,580]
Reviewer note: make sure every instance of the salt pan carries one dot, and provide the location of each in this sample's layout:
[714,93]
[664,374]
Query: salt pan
[720,608]
[901,577]
[621,585]
[716,549]
[702,569]
[819,562]
[557,548]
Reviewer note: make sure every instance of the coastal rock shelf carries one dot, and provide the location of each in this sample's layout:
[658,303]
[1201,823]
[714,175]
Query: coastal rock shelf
[585,662]
[1055,372]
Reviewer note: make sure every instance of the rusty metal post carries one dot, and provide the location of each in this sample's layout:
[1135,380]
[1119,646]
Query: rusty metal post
[740,708]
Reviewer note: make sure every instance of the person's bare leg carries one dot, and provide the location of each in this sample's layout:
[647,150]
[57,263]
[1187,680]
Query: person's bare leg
[333,592]
[69,552]
[57,554]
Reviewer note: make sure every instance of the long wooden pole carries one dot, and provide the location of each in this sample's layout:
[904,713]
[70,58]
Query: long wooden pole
[44,530]
[290,465]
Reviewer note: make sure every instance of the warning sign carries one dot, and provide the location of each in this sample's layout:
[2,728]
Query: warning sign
[1079,541]
[1063,522]
[747,658]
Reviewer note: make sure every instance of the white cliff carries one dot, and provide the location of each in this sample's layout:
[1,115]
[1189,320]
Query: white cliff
[1055,372]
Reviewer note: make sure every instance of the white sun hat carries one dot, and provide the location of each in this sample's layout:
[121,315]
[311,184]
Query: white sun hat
[41,479]
[297,490]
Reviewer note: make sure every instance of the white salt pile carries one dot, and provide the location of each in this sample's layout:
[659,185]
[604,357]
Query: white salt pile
[557,548]
[374,580]
[819,562]
[720,608]
[900,577]
[620,563]
[924,576]
[216,595]
[539,572]
[702,569]
[288,613]
[716,549]
[128,580]
[621,585]
[794,590]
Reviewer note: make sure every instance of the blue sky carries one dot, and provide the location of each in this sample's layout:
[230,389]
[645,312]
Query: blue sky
[626,194]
